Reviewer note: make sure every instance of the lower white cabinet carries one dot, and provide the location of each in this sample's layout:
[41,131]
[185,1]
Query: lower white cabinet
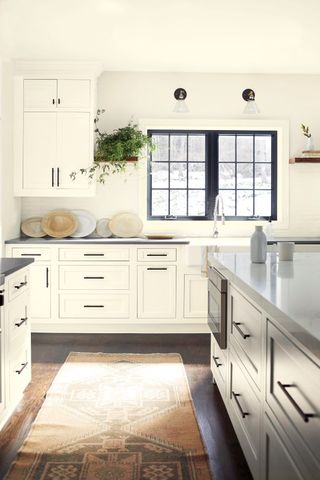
[195,296]
[157,291]
[40,291]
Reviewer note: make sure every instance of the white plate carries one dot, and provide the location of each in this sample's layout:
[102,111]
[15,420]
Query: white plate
[102,228]
[126,225]
[87,223]
[159,236]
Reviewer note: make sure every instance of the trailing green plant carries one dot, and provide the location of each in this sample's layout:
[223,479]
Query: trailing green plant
[114,150]
[305,131]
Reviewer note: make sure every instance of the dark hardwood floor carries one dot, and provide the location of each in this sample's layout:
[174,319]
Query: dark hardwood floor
[49,351]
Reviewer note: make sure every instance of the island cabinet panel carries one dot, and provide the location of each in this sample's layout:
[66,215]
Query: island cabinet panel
[279,462]
[246,333]
[245,411]
[293,386]
[219,366]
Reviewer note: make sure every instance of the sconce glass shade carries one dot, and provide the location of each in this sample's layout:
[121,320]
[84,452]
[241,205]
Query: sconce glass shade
[249,96]
[181,106]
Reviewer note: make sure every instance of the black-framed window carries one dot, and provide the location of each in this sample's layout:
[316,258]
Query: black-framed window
[188,169]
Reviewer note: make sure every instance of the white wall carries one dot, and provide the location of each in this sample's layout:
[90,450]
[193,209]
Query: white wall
[127,95]
[10,207]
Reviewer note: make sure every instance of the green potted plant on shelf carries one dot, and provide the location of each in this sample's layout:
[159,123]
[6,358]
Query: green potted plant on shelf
[113,151]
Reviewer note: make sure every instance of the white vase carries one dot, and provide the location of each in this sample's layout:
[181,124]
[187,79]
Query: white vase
[309,144]
[258,245]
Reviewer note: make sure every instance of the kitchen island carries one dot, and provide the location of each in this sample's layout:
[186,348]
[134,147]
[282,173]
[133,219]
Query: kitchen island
[269,374]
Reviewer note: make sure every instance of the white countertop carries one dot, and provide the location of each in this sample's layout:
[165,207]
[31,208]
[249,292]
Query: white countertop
[287,291]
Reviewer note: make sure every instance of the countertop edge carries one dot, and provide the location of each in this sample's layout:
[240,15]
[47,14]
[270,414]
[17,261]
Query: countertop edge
[12,265]
[95,241]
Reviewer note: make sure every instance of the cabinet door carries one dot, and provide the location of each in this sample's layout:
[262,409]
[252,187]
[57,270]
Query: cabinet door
[73,148]
[40,292]
[73,94]
[39,150]
[156,291]
[39,94]
[195,296]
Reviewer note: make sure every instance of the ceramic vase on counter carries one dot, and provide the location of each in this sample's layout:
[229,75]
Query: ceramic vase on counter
[258,245]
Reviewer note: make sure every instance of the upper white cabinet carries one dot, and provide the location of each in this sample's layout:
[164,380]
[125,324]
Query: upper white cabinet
[54,135]
[56,94]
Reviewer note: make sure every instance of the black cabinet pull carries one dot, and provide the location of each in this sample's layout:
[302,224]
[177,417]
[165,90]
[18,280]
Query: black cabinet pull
[215,359]
[23,320]
[59,101]
[235,396]
[23,366]
[58,177]
[22,284]
[53,101]
[52,177]
[31,254]
[157,268]
[304,416]
[157,254]
[93,254]
[243,335]
[47,277]
[93,278]
[93,306]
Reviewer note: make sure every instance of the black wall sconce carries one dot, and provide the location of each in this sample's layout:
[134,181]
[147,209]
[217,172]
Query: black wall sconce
[180,94]
[249,96]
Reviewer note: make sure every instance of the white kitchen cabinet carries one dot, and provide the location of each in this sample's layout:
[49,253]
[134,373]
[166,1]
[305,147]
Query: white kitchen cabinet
[44,94]
[157,291]
[54,136]
[195,296]
[40,292]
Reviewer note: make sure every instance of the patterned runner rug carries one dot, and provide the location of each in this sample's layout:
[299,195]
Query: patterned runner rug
[115,417]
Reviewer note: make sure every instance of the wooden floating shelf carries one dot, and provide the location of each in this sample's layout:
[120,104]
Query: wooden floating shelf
[305,160]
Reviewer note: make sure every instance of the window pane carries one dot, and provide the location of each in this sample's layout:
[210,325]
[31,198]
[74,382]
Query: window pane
[228,197]
[263,203]
[160,175]
[178,202]
[227,148]
[197,175]
[197,148]
[245,203]
[178,175]
[263,175]
[245,148]
[263,148]
[245,175]
[226,175]
[160,202]
[197,203]
[178,148]
[161,152]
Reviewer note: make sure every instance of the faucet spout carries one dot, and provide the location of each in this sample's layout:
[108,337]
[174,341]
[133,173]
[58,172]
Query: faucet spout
[218,205]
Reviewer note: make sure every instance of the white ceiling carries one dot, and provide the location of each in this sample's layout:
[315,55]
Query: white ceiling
[253,36]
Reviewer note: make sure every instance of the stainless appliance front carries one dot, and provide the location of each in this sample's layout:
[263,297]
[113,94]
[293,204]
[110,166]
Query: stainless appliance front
[217,306]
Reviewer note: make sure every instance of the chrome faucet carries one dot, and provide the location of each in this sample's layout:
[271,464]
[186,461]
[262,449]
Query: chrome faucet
[218,203]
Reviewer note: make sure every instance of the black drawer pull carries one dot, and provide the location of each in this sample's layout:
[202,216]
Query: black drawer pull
[93,278]
[157,268]
[304,416]
[21,284]
[23,366]
[93,254]
[235,396]
[243,335]
[58,177]
[23,320]
[31,254]
[215,359]
[52,177]
[93,306]
[157,254]
[47,277]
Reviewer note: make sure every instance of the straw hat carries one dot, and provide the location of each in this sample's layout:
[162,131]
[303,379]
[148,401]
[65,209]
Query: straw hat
[59,223]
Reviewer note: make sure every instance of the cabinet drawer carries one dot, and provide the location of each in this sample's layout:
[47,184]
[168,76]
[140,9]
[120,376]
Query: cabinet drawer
[18,283]
[293,385]
[38,253]
[246,414]
[19,370]
[18,322]
[94,254]
[246,333]
[94,277]
[111,305]
[219,366]
[157,254]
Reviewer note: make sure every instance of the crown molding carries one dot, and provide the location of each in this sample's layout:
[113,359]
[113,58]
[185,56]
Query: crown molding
[45,67]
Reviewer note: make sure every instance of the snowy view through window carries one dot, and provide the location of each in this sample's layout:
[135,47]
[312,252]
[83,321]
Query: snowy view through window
[178,174]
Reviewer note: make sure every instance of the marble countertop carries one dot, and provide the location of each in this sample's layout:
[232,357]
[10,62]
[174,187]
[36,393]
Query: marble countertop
[11,265]
[99,241]
[288,291]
